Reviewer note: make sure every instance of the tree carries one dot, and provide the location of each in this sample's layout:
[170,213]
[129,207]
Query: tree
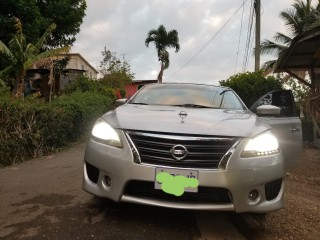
[22,55]
[302,17]
[116,72]
[251,85]
[163,40]
[37,15]
[299,19]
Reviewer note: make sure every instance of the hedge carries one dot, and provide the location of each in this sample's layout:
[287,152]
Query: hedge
[30,128]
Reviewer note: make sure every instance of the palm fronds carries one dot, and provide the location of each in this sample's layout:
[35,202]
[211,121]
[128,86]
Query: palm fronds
[163,40]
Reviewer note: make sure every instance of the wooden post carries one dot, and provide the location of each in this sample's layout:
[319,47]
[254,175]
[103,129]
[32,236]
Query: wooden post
[258,33]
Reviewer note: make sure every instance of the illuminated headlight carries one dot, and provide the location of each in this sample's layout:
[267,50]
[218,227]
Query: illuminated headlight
[104,133]
[263,145]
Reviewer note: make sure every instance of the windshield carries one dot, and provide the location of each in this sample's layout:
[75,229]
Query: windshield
[187,95]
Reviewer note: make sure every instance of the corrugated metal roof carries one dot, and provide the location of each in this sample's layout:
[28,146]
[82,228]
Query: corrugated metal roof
[303,53]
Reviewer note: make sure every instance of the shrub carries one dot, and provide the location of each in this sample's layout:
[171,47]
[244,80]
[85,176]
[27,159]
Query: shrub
[4,92]
[82,84]
[31,128]
[251,85]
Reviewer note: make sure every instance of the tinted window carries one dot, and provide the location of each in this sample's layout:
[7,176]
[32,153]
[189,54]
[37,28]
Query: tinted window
[280,98]
[181,94]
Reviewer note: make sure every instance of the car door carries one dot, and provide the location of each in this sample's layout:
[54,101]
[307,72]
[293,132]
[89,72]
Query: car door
[286,125]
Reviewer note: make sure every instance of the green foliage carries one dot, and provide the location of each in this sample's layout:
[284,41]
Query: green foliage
[38,14]
[22,55]
[251,85]
[4,91]
[110,92]
[116,73]
[84,84]
[31,128]
[301,17]
[300,91]
[122,92]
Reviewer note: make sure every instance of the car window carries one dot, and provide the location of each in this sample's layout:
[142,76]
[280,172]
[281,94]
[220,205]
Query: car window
[280,98]
[230,101]
[187,94]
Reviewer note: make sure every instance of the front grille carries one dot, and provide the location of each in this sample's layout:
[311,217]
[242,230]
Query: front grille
[213,195]
[272,189]
[203,152]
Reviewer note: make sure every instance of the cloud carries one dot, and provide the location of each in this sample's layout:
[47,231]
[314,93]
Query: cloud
[122,26]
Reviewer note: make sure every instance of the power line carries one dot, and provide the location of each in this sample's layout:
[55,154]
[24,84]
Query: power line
[248,42]
[235,68]
[245,58]
[205,45]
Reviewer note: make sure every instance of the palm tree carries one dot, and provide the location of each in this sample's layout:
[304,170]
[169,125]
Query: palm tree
[302,17]
[299,19]
[23,56]
[163,40]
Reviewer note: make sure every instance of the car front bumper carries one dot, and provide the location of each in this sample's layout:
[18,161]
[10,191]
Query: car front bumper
[112,173]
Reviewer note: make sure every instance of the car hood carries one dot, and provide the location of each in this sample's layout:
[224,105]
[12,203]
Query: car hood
[199,121]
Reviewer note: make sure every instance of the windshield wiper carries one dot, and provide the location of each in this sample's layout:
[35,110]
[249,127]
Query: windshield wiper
[192,105]
[224,91]
[139,103]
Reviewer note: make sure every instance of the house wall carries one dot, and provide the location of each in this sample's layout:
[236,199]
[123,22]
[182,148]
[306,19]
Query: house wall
[76,62]
[131,90]
[133,87]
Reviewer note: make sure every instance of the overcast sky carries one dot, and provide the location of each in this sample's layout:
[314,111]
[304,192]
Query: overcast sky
[122,26]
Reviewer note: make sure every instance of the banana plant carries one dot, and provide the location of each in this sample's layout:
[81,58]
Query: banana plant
[22,56]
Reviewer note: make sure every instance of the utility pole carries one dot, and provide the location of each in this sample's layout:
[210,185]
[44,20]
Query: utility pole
[257,6]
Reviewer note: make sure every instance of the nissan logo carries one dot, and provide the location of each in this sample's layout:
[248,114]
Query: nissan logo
[179,152]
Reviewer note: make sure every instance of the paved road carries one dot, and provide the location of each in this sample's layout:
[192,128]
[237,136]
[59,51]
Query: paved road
[43,199]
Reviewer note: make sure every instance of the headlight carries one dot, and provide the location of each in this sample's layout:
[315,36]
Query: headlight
[262,145]
[104,133]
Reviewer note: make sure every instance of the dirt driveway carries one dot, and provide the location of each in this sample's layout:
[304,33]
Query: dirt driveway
[43,199]
[300,218]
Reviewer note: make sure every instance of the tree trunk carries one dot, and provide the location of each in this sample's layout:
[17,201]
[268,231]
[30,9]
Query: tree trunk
[18,91]
[16,86]
[314,102]
[160,73]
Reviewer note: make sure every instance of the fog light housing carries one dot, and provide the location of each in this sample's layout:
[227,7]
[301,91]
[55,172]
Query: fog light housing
[107,180]
[253,195]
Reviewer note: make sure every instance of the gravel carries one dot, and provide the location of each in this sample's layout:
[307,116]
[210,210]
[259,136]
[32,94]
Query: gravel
[300,217]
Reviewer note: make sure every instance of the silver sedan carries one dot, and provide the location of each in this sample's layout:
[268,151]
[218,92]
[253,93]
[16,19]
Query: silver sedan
[193,146]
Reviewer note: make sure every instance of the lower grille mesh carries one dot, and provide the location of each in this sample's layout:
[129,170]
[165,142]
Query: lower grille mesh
[272,189]
[211,195]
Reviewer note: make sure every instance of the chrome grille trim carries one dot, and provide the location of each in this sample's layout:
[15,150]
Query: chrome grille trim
[204,152]
[135,152]
[224,160]
[176,137]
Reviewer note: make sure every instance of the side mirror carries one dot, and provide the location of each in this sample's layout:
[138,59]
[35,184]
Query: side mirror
[120,102]
[279,98]
[268,110]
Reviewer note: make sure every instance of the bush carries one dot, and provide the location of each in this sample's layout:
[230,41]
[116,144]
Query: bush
[82,84]
[250,86]
[31,128]
[4,92]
